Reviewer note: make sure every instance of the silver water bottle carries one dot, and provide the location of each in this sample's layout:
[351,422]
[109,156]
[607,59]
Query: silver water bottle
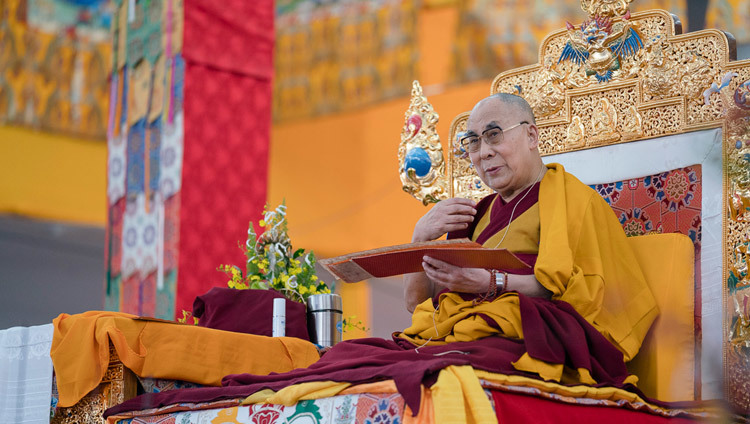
[324,319]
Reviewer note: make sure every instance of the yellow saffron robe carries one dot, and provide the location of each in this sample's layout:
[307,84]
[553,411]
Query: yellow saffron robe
[583,259]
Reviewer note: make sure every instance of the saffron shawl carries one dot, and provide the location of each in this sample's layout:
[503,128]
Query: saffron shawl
[583,259]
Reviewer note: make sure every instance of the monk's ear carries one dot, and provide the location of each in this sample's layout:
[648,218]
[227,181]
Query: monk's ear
[533,132]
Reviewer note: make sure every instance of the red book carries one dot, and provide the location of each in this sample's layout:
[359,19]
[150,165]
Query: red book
[407,258]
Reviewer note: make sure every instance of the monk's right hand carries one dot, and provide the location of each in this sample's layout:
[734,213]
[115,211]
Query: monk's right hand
[447,215]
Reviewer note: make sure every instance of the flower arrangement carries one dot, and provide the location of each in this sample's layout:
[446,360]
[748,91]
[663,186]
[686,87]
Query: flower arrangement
[273,264]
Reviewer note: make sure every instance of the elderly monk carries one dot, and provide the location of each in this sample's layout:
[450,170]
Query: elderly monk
[563,229]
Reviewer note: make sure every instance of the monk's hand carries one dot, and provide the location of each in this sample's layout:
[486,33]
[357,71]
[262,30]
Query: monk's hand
[447,215]
[454,278]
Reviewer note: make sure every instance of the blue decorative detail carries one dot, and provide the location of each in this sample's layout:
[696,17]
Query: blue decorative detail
[738,144]
[85,3]
[629,45]
[418,160]
[576,55]
[604,78]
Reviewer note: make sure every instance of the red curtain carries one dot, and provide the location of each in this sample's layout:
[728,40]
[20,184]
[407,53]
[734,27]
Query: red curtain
[228,50]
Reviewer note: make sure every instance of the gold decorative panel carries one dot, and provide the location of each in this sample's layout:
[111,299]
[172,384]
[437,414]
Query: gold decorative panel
[619,77]
[118,385]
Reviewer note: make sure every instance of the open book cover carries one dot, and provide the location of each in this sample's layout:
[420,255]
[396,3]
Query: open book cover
[407,258]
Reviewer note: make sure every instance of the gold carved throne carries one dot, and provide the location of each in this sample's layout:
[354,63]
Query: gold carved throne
[623,98]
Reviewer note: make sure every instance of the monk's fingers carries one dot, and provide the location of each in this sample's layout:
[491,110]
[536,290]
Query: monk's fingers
[456,209]
[458,201]
[438,264]
[452,223]
[457,219]
[455,227]
[434,274]
[443,217]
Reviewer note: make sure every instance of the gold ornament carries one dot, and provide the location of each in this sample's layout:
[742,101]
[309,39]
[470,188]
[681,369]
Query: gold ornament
[420,154]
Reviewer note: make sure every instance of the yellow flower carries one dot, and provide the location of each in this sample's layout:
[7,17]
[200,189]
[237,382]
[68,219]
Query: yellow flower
[262,222]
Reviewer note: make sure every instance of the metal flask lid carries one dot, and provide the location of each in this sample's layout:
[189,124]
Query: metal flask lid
[324,302]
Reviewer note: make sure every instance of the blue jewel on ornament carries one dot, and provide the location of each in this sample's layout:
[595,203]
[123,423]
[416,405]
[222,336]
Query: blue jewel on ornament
[418,160]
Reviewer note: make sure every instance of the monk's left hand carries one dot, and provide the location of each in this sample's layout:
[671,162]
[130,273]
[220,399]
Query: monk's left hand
[457,279]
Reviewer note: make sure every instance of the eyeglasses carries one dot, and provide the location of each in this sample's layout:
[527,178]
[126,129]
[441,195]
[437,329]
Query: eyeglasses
[491,136]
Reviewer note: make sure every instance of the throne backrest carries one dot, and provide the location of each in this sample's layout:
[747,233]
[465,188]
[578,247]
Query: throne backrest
[651,106]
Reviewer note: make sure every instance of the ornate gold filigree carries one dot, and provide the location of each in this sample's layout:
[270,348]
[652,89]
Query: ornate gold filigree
[739,189]
[605,7]
[88,410]
[738,350]
[696,70]
[658,73]
[118,385]
[604,123]
[465,183]
[549,87]
[739,286]
[632,124]
[420,154]
[738,160]
[576,135]
[738,377]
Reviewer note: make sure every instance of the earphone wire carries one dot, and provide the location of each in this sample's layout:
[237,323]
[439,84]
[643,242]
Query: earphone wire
[507,228]
[513,211]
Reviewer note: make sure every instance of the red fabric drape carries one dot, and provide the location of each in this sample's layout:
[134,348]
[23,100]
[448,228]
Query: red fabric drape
[517,408]
[228,67]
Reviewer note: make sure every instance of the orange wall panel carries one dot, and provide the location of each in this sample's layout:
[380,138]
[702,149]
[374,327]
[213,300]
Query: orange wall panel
[339,174]
[53,177]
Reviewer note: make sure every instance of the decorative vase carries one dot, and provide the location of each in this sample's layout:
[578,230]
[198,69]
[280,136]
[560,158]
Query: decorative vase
[324,319]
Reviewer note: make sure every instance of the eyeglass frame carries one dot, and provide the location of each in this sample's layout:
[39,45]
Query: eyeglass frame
[463,141]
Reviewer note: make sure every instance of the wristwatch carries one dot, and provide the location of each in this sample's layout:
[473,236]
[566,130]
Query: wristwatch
[501,279]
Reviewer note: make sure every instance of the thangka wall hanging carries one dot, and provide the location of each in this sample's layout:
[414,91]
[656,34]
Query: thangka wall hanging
[494,36]
[54,61]
[338,55]
[732,16]
[145,142]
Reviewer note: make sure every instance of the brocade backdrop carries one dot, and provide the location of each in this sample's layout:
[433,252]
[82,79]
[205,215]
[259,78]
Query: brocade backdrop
[54,61]
[335,55]
[189,126]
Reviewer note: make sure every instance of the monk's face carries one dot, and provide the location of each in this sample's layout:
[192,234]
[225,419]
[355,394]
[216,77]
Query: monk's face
[513,163]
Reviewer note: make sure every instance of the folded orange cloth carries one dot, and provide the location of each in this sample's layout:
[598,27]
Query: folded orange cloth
[162,349]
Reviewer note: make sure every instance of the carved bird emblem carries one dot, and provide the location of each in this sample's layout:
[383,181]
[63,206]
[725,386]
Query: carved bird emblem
[599,44]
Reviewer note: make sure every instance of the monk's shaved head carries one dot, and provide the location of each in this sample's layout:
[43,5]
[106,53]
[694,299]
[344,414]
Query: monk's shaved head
[517,103]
